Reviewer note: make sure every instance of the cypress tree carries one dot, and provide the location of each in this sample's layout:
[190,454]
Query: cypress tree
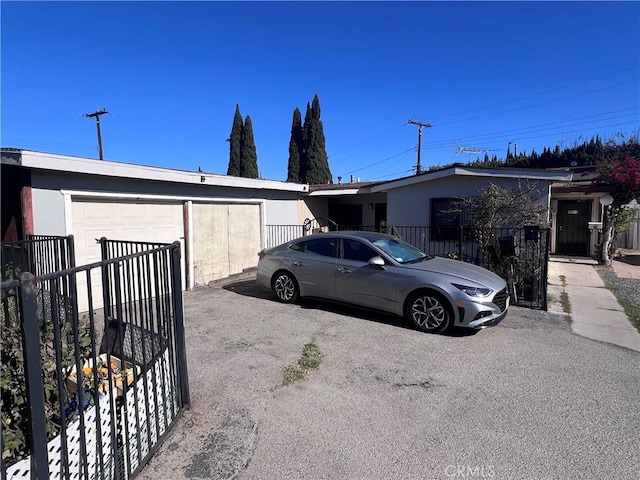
[296,147]
[235,145]
[315,159]
[248,154]
[304,154]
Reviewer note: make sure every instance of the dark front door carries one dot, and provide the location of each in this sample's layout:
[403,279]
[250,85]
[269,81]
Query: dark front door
[380,214]
[572,227]
[346,216]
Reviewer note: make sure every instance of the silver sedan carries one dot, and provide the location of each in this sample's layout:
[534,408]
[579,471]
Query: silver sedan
[383,272]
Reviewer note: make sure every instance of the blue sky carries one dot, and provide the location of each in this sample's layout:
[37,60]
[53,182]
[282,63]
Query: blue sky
[170,74]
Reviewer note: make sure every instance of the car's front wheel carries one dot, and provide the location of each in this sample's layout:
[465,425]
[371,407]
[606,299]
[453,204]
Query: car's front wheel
[428,311]
[285,287]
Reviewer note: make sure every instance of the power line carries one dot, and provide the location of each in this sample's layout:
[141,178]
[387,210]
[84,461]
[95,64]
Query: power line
[380,161]
[390,174]
[505,138]
[377,147]
[511,101]
[504,135]
[541,93]
[366,141]
[527,130]
[433,147]
[535,105]
[559,124]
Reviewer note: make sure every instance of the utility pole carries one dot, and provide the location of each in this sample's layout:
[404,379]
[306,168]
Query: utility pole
[420,127]
[96,115]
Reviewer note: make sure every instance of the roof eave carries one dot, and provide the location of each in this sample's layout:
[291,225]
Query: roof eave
[63,163]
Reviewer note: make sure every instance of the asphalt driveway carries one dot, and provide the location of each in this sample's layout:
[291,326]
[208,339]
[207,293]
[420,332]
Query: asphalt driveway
[525,399]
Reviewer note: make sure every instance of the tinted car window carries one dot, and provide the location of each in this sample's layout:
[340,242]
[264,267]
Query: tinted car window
[298,247]
[322,246]
[401,251]
[358,251]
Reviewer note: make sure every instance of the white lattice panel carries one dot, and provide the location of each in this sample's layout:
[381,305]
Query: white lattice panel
[146,419]
[76,463]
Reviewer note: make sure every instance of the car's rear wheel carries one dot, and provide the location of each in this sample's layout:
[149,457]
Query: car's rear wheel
[285,287]
[428,311]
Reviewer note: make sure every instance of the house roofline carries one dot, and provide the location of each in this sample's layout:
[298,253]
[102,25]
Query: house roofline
[333,193]
[66,163]
[499,172]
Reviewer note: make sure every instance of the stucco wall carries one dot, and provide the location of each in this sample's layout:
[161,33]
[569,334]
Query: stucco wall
[410,205]
[312,207]
[281,212]
[48,212]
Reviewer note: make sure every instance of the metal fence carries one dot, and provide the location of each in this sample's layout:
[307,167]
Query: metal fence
[39,254]
[279,234]
[519,255]
[92,395]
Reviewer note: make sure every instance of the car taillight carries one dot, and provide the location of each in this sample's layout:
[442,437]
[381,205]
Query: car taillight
[261,254]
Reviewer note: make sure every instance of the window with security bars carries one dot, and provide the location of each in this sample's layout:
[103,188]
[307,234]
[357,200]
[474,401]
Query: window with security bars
[448,216]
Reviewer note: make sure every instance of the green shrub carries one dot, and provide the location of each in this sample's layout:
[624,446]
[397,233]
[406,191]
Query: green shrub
[16,433]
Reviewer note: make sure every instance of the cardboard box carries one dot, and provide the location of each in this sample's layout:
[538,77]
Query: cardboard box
[118,374]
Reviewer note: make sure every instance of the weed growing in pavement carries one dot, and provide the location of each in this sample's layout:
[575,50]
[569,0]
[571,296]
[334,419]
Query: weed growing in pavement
[566,305]
[564,298]
[310,360]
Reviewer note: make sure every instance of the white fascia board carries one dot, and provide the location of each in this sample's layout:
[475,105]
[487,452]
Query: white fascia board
[164,198]
[330,193]
[63,163]
[529,174]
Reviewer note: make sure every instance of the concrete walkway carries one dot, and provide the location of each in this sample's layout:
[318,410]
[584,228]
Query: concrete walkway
[595,312]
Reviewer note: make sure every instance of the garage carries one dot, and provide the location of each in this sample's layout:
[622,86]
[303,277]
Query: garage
[226,239]
[142,221]
[220,220]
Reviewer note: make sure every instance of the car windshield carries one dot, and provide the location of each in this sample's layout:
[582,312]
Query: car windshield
[401,251]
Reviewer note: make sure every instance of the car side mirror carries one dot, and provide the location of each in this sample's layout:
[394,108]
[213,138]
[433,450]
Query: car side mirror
[376,261]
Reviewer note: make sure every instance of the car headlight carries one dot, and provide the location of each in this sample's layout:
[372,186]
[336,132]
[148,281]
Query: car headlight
[473,291]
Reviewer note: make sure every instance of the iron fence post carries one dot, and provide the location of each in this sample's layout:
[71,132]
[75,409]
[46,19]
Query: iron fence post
[71,251]
[33,376]
[181,350]
[105,281]
[460,240]
[545,272]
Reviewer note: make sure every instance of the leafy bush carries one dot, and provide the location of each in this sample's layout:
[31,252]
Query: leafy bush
[16,433]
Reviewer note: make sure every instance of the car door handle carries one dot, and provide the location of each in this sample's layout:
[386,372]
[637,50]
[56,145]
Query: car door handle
[296,263]
[344,270]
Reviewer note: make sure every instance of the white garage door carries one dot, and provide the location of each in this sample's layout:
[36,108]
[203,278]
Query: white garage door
[120,220]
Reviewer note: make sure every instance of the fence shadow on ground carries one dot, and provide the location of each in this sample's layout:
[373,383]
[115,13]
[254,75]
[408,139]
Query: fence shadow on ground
[633,259]
[250,288]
